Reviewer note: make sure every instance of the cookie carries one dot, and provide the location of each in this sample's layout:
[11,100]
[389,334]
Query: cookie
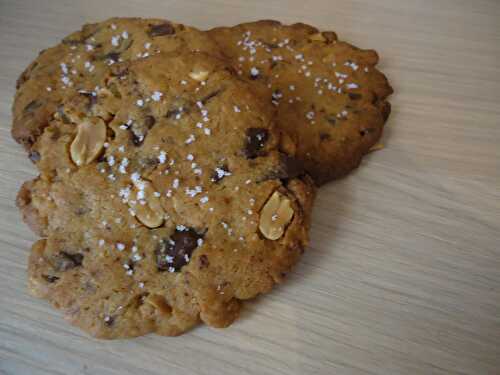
[331,100]
[164,200]
[80,60]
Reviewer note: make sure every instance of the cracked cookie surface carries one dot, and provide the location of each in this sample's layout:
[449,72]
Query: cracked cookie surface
[330,98]
[163,199]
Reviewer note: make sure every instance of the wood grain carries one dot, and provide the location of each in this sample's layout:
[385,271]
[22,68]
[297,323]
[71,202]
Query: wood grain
[403,272]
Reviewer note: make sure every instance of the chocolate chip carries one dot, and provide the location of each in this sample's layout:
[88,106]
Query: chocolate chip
[175,252]
[355,96]
[332,120]
[31,107]
[161,29]
[277,94]
[324,136]
[270,45]
[256,139]
[220,173]
[129,265]
[137,139]
[34,156]
[113,56]
[203,261]
[50,279]
[87,32]
[109,320]
[65,261]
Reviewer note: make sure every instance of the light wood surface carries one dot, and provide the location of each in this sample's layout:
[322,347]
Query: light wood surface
[403,272]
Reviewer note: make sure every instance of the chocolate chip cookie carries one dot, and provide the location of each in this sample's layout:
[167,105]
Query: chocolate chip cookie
[165,198]
[330,97]
[78,63]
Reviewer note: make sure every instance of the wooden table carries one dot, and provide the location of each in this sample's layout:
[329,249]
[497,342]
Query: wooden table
[403,272]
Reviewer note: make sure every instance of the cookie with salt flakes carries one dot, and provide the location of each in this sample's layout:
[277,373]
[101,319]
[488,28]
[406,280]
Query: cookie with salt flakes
[78,64]
[163,200]
[330,98]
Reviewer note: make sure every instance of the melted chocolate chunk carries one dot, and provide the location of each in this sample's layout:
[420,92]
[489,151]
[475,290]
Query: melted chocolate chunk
[109,320]
[277,94]
[324,136]
[256,139]
[175,252]
[113,56]
[270,45]
[50,279]
[85,36]
[355,96]
[161,29]
[332,120]
[65,261]
[203,261]
[137,138]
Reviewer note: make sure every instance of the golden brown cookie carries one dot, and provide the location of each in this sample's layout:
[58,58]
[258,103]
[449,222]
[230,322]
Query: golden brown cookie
[164,200]
[330,97]
[80,60]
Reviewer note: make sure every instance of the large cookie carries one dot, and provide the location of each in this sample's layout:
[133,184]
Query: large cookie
[80,60]
[330,98]
[163,199]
